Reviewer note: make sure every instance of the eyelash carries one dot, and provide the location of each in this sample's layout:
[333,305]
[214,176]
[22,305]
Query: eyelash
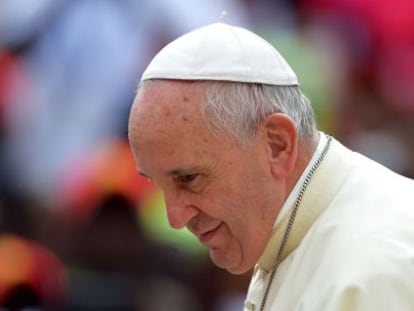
[186,179]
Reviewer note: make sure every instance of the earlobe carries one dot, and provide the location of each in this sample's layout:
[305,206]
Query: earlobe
[282,140]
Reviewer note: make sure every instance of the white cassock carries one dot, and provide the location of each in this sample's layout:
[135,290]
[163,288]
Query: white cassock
[351,247]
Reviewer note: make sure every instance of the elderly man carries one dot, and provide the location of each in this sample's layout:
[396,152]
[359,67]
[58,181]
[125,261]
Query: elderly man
[220,124]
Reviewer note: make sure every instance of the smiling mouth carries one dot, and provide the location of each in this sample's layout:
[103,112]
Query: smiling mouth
[207,236]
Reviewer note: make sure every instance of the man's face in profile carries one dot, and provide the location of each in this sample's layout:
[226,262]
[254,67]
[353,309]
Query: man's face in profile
[222,192]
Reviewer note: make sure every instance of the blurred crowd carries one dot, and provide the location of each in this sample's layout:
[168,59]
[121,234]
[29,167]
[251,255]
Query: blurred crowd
[79,229]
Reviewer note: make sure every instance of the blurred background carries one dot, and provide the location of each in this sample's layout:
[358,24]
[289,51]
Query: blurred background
[79,229]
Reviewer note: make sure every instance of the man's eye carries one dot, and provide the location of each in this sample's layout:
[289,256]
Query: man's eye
[185,179]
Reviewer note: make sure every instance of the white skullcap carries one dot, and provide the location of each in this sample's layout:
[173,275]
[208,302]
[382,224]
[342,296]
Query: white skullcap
[221,52]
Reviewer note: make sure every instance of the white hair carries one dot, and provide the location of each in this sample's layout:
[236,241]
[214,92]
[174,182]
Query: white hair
[237,109]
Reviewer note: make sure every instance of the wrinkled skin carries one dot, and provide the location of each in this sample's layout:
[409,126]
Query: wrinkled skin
[227,195]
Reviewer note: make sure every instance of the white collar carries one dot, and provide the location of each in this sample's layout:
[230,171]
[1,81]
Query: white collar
[290,201]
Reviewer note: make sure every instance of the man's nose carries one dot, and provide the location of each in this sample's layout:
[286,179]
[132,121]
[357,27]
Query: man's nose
[179,211]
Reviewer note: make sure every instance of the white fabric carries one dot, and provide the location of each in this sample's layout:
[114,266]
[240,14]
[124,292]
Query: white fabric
[358,254]
[221,52]
[290,201]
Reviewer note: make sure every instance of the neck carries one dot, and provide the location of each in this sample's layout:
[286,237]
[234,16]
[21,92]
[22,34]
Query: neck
[305,152]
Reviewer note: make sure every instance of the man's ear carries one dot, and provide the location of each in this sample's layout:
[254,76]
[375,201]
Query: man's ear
[281,138]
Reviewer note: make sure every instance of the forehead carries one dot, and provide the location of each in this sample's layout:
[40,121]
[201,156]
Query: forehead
[166,120]
[167,105]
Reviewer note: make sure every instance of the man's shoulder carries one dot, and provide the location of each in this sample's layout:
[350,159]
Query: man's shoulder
[361,242]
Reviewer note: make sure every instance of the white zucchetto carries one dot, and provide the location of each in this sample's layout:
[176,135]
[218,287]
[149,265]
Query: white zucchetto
[224,53]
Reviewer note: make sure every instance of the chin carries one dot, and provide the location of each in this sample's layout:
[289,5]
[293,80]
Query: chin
[228,263]
[237,271]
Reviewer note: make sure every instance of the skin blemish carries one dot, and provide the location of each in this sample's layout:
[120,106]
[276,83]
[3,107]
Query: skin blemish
[167,113]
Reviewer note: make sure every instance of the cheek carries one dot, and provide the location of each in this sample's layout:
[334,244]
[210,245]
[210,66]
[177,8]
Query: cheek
[242,197]
[244,210]
[253,210]
[235,207]
[222,201]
